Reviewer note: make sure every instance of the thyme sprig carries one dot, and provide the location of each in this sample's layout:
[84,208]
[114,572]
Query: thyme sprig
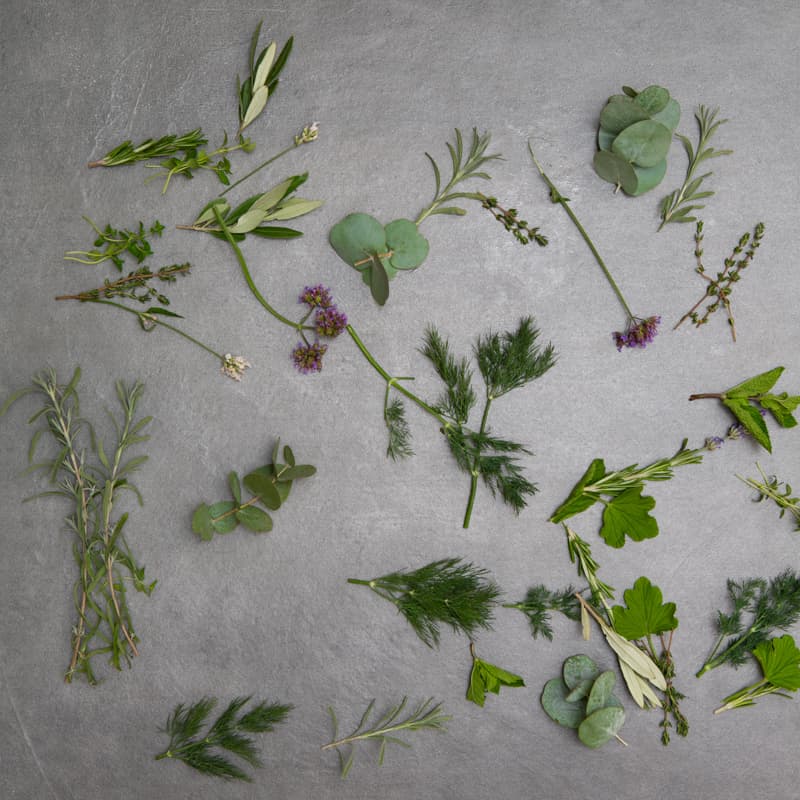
[208,753]
[129,287]
[509,219]
[426,715]
[778,491]
[112,243]
[93,479]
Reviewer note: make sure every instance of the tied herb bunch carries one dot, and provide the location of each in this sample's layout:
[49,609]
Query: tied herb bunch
[506,362]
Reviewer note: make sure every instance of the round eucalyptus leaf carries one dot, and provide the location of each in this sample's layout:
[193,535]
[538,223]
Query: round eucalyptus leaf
[605,139]
[221,518]
[615,169]
[579,668]
[558,708]
[670,116]
[254,519]
[653,99]
[620,112]
[409,249]
[648,178]
[602,688]
[581,691]
[601,726]
[644,143]
[356,237]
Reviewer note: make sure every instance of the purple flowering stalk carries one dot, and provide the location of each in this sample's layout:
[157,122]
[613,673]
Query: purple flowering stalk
[641,330]
[328,322]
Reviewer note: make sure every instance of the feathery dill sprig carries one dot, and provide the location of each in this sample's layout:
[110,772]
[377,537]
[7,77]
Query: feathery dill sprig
[394,415]
[447,592]
[779,492]
[539,601]
[228,733]
[106,564]
[127,153]
[771,605]
[459,398]
[425,715]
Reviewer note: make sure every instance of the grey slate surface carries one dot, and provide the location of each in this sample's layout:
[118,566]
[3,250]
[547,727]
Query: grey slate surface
[273,616]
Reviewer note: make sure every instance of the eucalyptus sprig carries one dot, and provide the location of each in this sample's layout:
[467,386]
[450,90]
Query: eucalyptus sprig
[378,252]
[718,290]
[93,479]
[128,153]
[750,400]
[229,734]
[778,491]
[112,243]
[449,592]
[269,484]
[640,331]
[770,606]
[426,715]
[677,207]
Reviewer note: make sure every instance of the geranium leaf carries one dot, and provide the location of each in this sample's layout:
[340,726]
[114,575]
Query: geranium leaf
[628,515]
[646,613]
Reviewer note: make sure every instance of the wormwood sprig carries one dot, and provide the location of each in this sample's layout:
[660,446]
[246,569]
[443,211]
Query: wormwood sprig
[510,220]
[640,330]
[779,492]
[127,153]
[93,479]
[270,485]
[228,734]
[506,361]
[112,243]
[770,605]
[426,715]
[540,601]
[448,592]
[677,207]
[718,290]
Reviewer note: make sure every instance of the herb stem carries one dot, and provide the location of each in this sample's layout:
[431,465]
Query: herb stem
[261,166]
[475,472]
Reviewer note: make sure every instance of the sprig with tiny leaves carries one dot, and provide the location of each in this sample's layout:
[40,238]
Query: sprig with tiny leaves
[112,243]
[426,715]
[718,290]
[509,219]
[776,490]
[93,480]
[449,592]
[229,734]
[269,484]
[506,362]
[128,153]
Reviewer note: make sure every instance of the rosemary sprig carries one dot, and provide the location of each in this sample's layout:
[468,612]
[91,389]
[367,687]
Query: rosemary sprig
[425,715]
[677,206]
[718,290]
[105,562]
[779,492]
[112,243]
[229,732]
[127,153]
[446,592]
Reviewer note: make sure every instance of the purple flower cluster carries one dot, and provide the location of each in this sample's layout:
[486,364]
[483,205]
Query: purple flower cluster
[317,297]
[308,357]
[639,334]
[328,322]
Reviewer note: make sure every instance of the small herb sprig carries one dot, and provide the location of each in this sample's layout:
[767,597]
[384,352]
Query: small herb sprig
[780,666]
[640,330]
[426,715]
[540,601]
[677,207]
[378,252]
[136,285]
[509,219]
[772,605]
[506,361]
[485,677]
[449,592]
[229,734]
[93,479]
[128,153]
[779,492]
[750,400]
[112,243]
[718,290]
[270,485]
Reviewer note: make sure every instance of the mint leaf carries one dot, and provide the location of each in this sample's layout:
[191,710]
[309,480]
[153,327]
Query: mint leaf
[758,385]
[486,677]
[627,515]
[780,662]
[781,406]
[752,420]
[578,501]
[645,614]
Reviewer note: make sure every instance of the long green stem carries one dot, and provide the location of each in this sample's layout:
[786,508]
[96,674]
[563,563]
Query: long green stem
[261,166]
[473,486]
[557,197]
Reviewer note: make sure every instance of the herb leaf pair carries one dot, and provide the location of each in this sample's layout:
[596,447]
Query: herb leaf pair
[485,677]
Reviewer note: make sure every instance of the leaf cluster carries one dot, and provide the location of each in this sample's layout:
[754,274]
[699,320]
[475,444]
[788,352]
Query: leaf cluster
[426,715]
[485,677]
[778,491]
[229,734]
[634,138]
[759,607]
[539,601]
[128,153]
[269,484]
[262,80]
[679,205]
[112,243]
[583,699]
[255,215]
[445,592]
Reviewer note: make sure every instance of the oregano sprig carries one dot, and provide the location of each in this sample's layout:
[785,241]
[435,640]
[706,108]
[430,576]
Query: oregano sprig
[112,243]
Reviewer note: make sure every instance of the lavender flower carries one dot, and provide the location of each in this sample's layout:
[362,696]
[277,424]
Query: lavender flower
[639,334]
[318,296]
[308,357]
[330,322]
[234,366]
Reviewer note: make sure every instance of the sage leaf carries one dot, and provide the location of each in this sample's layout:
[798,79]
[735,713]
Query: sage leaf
[751,419]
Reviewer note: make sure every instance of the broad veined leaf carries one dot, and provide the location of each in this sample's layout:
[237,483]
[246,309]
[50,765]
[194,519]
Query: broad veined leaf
[578,500]
[601,726]
[781,407]
[408,247]
[751,419]
[645,143]
[486,677]
[254,519]
[628,515]
[646,613]
[758,385]
[558,708]
[780,662]
[357,237]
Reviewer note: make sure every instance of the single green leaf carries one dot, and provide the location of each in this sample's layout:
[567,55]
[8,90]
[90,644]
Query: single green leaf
[256,106]
[645,143]
[408,247]
[751,419]
[652,99]
[558,708]
[579,668]
[292,208]
[646,613]
[201,523]
[222,520]
[602,690]
[670,116]
[236,488]
[254,519]
[601,726]
[620,112]
[357,237]
[758,385]
[627,515]
[288,455]
[274,196]
[780,662]
[298,471]
[781,406]
[648,178]
[615,169]
[578,500]
[604,139]
[581,691]
[264,65]
[486,677]
[264,488]
[379,280]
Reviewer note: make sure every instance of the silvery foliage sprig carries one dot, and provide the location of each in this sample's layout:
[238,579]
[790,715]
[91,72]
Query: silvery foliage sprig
[93,478]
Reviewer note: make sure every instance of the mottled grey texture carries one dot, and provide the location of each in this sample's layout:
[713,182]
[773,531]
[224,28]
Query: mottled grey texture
[273,615]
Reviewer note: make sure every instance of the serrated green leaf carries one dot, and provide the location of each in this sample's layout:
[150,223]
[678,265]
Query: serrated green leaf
[646,613]
[601,726]
[558,708]
[751,419]
[201,523]
[627,515]
[264,488]
[758,385]
[254,519]
[645,143]
[602,690]
[780,662]
[578,500]
[408,247]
